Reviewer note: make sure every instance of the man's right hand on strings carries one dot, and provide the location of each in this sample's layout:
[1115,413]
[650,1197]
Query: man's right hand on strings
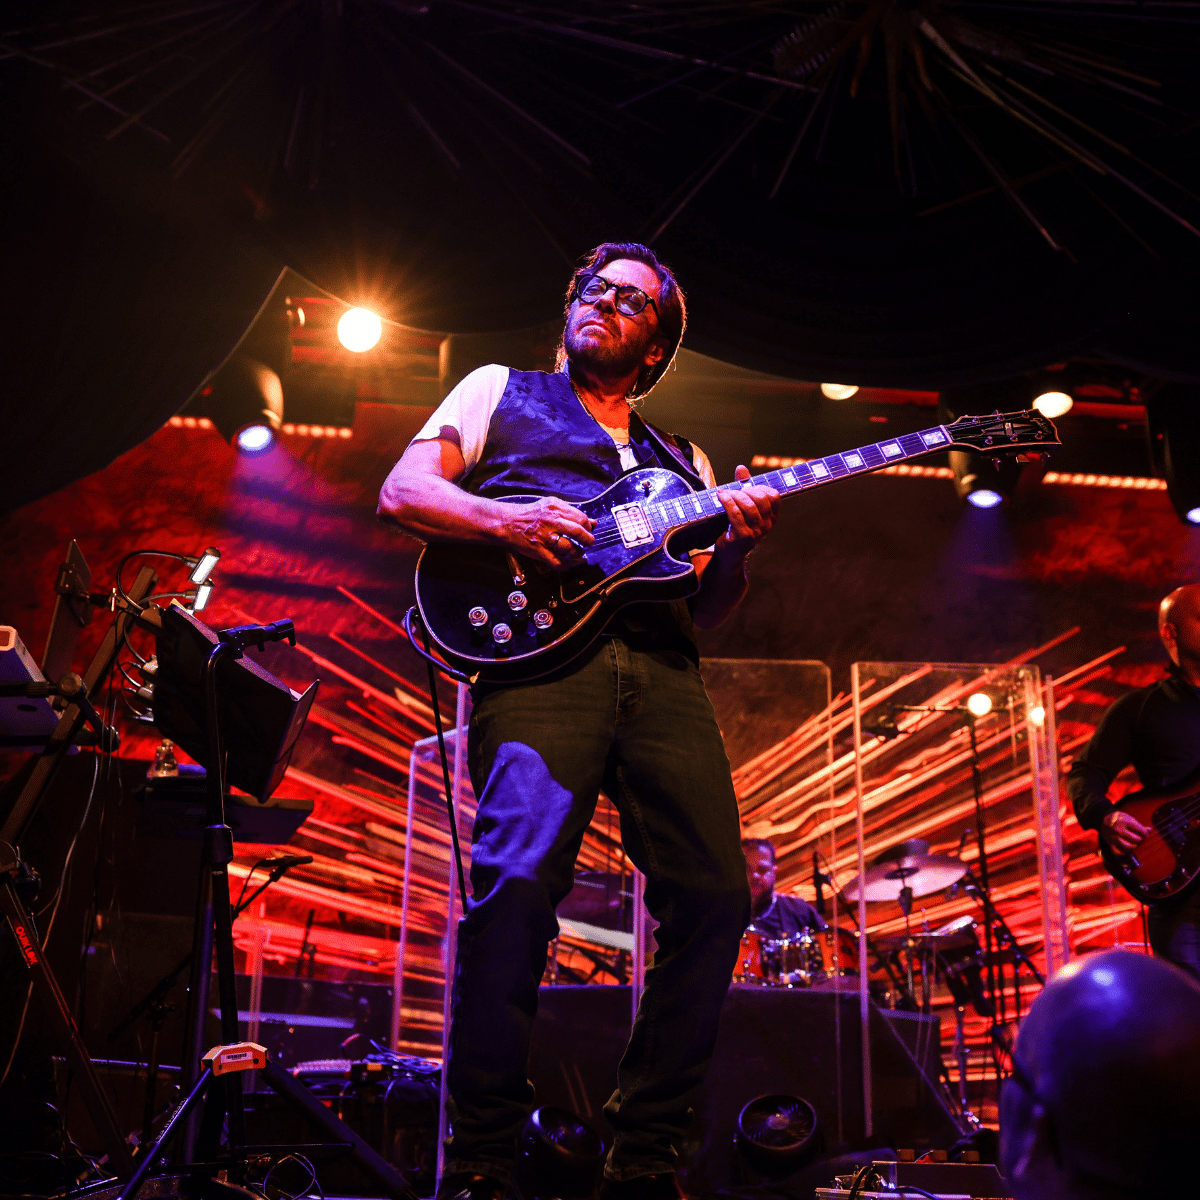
[1123,832]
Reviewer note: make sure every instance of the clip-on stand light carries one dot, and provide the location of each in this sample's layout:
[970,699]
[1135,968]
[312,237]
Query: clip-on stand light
[241,724]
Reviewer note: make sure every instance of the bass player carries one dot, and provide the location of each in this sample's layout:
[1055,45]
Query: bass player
[1157,729]
[629,715]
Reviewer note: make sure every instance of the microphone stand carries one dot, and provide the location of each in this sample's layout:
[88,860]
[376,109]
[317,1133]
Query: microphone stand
[839,893]
[989,911]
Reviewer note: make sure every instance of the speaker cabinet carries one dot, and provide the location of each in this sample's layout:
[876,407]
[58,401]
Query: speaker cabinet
[771,1040]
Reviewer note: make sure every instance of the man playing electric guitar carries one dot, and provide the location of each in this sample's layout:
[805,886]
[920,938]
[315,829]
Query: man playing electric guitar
[1157,728]
[629,715]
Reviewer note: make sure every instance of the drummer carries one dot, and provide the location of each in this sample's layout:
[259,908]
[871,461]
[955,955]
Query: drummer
[772,915]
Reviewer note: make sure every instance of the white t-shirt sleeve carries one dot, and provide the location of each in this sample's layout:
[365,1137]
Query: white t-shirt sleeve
[466,413]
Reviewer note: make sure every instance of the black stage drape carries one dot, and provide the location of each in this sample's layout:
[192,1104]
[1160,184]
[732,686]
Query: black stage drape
[134,260]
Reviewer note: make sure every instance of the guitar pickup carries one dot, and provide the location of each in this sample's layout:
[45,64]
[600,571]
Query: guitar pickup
[632,524]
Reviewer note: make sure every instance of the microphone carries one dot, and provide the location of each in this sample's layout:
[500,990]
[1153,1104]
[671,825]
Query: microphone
[818,882]
[884,725]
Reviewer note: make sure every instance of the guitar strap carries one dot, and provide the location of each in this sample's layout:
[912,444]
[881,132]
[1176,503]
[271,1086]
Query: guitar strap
[675,453]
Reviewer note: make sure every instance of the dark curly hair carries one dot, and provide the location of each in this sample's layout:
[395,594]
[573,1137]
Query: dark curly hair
[672,309]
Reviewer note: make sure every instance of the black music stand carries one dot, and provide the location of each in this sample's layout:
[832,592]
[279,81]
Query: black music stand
[241,724]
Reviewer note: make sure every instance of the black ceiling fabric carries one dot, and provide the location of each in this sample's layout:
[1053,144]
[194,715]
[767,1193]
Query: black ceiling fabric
[448,164]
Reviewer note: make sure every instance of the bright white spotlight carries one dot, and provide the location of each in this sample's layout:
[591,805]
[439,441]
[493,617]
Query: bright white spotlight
[838,391]
[359,329]
[979,704]
[204,565]
[1053,404]
[1038,716]
[1193,516]
[985,498]
[254,439]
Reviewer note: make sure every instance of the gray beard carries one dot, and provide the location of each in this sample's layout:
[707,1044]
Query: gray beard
[605,359]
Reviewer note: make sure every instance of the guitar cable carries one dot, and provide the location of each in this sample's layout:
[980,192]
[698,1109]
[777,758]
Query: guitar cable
[459,677]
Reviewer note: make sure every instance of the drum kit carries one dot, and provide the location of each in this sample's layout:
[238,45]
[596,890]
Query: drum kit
[815,958]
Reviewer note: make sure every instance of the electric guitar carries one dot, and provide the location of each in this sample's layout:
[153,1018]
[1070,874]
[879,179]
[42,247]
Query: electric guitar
[1168,858]
[498,616]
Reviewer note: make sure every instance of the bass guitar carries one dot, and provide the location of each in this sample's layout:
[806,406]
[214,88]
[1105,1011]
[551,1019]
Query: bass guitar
[1168,858]
[498,616]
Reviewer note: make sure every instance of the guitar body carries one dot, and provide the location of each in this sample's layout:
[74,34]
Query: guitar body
[501,617]
[1168,860]
[463,590]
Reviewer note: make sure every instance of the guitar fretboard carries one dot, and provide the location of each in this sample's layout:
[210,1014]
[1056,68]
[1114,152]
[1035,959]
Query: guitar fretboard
[801,477]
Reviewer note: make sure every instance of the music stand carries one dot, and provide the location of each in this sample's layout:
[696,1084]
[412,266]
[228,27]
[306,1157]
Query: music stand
[241,724]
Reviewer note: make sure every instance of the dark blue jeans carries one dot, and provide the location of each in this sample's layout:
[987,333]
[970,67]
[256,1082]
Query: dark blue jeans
[1175,933]
[638,724]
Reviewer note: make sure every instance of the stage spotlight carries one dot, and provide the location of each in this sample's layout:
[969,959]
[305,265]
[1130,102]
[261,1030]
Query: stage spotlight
[777,1134]
[254,439]
[984,498]
[1053,404]
[979,704]
[202,565]
[559,1156]
[359,329]
[1038,716]
[1173,426]
[245,394]
[838,391]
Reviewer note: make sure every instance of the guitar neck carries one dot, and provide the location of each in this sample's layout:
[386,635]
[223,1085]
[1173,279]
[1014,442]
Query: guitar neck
[803,477]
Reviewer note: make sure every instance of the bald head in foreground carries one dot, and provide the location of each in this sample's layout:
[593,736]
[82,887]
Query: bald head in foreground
[1104,1103]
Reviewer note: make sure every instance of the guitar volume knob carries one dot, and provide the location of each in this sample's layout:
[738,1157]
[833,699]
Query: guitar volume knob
[501,633]
[543,618]
[517,601]
[478,616]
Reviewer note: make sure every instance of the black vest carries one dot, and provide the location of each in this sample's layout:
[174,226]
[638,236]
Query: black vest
[541,441]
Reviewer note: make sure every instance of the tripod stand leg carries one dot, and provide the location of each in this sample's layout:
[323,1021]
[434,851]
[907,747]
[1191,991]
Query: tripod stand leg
[199,978]
[95,1098]
[283,1083]
[174,1121]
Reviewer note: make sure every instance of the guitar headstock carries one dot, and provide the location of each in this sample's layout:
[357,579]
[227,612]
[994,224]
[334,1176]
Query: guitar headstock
[1003,433]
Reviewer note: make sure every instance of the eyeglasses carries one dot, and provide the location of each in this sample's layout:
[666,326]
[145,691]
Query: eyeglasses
[628,300]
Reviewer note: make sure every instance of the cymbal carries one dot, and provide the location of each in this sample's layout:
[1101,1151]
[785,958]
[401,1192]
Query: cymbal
[925,941]
[923,873]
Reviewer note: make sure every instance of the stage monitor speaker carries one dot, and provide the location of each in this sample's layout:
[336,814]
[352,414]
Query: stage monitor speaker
[771,1040]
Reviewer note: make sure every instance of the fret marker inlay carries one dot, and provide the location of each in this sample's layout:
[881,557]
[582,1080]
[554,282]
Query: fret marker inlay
[891,449]
[820,470]
[852,461]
